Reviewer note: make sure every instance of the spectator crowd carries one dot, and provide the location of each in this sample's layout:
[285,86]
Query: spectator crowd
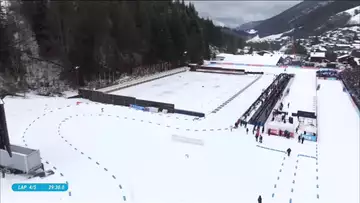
[351,79]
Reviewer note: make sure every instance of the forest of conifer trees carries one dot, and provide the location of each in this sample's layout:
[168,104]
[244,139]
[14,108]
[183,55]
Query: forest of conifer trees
[115,36]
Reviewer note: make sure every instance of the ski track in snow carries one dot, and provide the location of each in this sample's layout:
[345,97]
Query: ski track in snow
[291,179]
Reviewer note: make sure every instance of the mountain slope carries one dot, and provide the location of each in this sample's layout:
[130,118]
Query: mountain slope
[310,17]
[249,25]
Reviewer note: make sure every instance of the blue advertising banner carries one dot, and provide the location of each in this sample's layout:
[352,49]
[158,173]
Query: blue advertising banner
[309,137]
[137,107]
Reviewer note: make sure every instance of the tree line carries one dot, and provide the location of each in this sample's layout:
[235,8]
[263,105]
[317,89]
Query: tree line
[117,36]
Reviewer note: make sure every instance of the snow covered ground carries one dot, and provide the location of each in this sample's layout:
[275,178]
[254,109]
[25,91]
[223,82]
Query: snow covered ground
[198,91]
[302,95]
[339,130]
[273,37]
[354,20]
[125,155]
[253,59]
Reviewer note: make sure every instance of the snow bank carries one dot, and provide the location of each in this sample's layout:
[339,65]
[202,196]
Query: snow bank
[350,11]
[268,38]
[252,31]
[249,59]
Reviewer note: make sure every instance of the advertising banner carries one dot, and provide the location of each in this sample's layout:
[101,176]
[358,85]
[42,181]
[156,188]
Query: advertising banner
[141,108]
[309,137]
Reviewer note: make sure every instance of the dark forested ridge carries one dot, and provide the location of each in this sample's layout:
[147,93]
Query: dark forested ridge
[115,36]
[308,16]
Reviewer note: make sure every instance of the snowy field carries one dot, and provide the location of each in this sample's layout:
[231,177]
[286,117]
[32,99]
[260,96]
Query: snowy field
[190,90]
[302,95]
[124,155]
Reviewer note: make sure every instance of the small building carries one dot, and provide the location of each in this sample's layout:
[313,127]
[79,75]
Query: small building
[222,56]
[342,46]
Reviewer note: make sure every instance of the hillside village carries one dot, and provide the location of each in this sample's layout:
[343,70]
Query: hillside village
[340,44]
[332,46]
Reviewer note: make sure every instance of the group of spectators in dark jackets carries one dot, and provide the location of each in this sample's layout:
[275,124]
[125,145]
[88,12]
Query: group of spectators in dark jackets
[351,79]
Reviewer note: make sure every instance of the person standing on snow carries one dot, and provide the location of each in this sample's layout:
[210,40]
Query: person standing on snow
[256,137]
[302,140]
[260,139]
[247,130]
[236,124]
[299,138]
[259,199]
[288,151]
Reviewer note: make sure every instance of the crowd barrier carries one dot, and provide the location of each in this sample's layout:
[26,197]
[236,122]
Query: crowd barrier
[247,112]
[278,132]
[209,69]
[189,113]
[327,78]
[140,108]
[74,97]
[253,72]
[263,112]
[160,105]
[304,155]
[219,68]
[272,149]
[123,100]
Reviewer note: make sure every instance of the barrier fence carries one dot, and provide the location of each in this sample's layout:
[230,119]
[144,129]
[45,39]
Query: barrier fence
[142,80]
[123,100]
[271,149]
[189,113]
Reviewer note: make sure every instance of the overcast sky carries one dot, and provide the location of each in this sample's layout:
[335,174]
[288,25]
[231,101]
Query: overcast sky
[235,13]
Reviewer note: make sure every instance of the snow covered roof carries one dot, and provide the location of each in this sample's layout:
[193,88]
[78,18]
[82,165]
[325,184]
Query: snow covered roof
[322,48]
[343,56]
[224,55]
[343,45]
[356,46]
[352,28]
[317,54]
[357,60]
[267,59]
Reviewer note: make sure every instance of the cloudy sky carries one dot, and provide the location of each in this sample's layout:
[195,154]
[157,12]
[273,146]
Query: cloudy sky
[235,13]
